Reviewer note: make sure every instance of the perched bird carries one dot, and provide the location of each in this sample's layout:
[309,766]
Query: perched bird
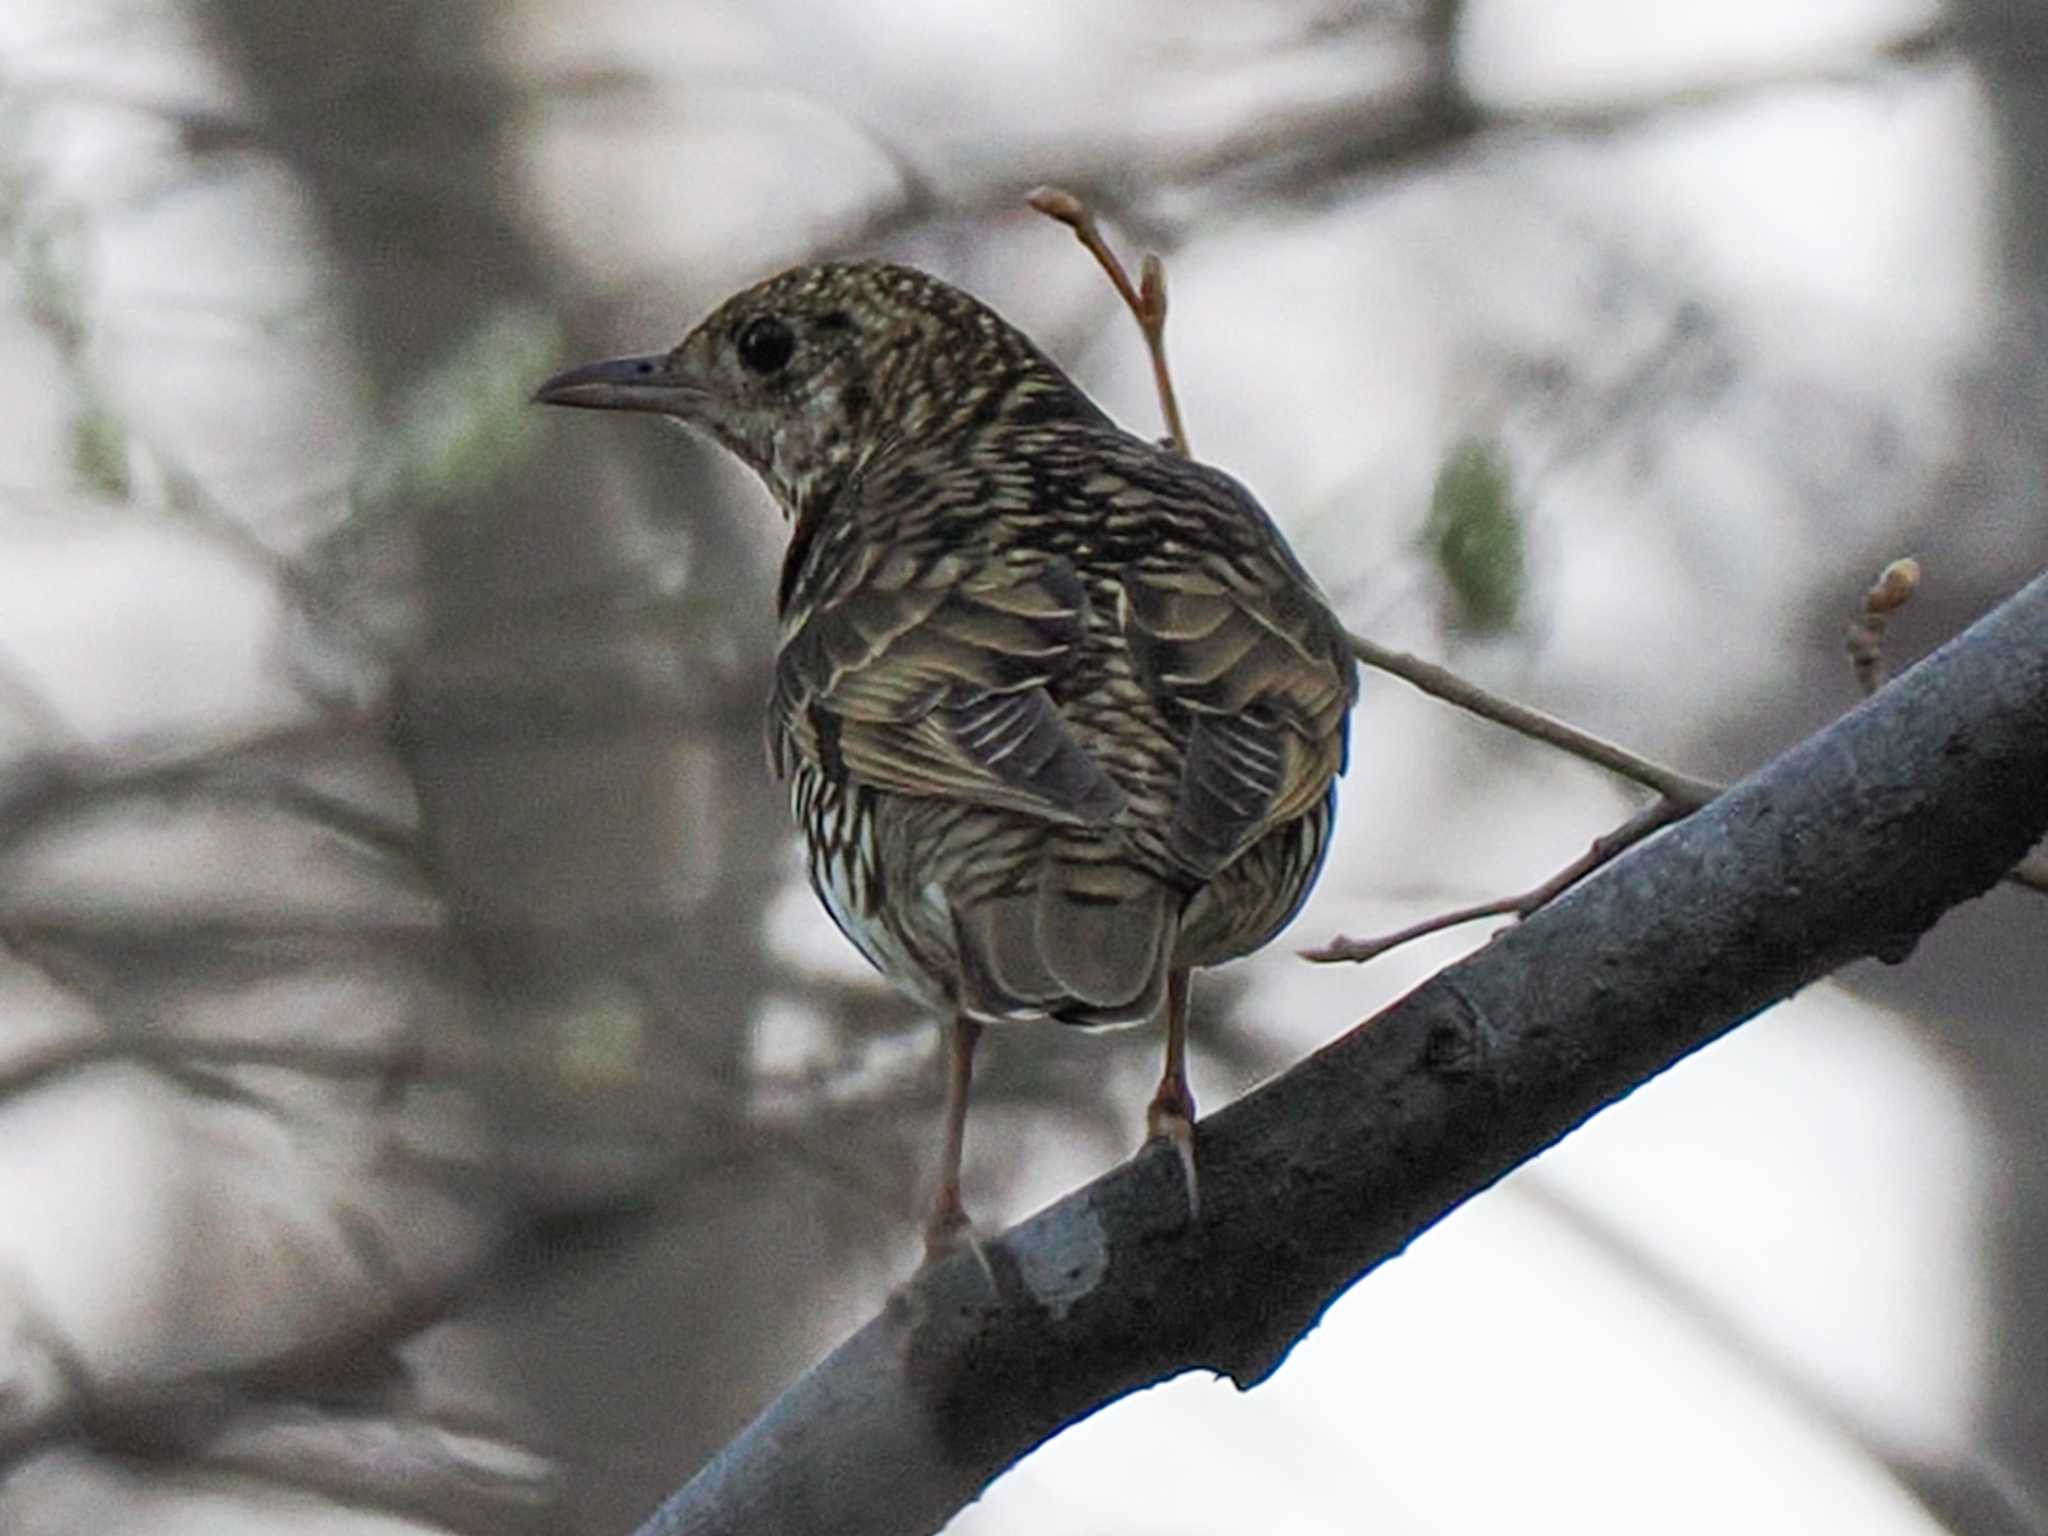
[1060,713]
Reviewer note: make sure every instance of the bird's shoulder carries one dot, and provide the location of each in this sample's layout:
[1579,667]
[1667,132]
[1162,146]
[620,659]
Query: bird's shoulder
[1219,614]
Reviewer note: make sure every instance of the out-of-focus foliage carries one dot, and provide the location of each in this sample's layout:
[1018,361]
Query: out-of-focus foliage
[1473,535]
[463,426]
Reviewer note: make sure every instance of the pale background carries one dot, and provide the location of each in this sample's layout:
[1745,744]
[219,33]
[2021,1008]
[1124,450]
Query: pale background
[429,1099]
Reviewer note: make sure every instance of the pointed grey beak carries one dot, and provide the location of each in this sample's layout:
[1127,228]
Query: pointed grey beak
[651,383]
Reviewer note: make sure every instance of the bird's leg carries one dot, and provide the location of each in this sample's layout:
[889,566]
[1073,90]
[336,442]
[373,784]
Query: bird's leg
[1171,1113]
[947,1225]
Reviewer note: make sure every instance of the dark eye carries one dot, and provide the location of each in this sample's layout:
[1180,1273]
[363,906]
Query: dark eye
[765,345]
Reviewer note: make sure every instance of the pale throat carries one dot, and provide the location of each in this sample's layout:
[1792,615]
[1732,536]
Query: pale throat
[811,452]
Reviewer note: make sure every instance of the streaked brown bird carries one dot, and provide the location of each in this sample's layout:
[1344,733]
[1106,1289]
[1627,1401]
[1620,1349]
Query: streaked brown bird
[1060,713]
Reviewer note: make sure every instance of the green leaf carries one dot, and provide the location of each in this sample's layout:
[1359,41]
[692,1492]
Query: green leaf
[1474,536]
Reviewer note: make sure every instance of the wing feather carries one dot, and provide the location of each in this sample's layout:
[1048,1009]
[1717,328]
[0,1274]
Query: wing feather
[1245,647]
[945,689]
[941,674]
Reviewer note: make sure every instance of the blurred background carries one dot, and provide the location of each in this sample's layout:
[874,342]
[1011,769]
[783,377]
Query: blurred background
[430,1099]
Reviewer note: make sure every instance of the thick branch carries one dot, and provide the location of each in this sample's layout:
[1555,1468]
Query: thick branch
[1851,844]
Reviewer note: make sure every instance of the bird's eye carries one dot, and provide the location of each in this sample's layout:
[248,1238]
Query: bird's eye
[765,345]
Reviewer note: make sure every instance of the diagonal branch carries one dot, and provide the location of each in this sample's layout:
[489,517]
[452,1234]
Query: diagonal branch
[1851,844]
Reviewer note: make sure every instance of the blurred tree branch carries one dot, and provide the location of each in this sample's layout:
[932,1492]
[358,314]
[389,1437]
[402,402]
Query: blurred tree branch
[1428,115]
[1849,845]
[1964,1490]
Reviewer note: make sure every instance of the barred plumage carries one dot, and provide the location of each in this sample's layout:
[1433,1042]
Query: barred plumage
[1060,712]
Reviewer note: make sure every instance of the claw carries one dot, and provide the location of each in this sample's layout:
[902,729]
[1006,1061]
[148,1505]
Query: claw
[1171,1114]
[1169,1124]
[947,1228]
[948,1231]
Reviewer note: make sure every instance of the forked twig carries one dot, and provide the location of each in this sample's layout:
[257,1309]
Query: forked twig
[1678,794]
[1146,301]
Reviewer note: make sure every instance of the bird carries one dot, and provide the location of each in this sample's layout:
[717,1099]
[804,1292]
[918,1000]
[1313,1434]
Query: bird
[1060,713]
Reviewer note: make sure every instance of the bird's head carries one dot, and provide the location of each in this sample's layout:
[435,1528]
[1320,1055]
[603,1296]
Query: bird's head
[803,376]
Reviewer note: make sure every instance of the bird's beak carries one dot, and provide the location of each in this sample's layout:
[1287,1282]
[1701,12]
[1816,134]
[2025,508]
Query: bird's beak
[652,383]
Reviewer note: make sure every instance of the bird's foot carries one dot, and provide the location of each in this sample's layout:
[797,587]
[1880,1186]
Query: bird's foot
[1166,1120]
[948,1231]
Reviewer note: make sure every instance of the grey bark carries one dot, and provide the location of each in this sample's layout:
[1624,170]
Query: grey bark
[1850,845]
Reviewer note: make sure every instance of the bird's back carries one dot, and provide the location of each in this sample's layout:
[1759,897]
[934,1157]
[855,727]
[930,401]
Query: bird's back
[1061,712]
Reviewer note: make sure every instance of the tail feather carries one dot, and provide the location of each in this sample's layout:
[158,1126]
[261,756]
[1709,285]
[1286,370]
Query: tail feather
[1091,945]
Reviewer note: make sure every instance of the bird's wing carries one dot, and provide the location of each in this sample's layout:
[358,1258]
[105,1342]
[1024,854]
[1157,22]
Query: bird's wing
[1240,641]
[929,676]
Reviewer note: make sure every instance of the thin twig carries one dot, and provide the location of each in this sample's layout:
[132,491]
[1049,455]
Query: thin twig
[1146,300]
[1892,590]
[1441,683]
[1650,818]
[1152,320]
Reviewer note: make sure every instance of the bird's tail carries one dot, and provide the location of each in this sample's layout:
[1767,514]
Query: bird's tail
[1091,945]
